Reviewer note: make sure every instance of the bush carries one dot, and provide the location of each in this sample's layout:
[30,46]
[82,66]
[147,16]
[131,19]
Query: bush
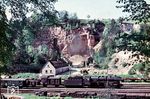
[85,72]
[139,66]
[104,66]
[124,64]
[115,66]
[25,75]
[101,66]
[132,71]
[96,66]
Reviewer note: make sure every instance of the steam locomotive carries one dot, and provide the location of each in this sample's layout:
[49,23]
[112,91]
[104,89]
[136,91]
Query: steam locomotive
[77,81]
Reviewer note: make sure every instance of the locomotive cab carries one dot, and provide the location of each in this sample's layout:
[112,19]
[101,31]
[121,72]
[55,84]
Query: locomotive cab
[113,81]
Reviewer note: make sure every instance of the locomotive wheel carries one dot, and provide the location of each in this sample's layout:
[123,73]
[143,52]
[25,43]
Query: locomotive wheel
[44,85]
[56,85]
[33,84]
[118,86]
[101,85]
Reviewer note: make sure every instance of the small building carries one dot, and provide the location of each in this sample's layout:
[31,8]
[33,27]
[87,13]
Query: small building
[52,68]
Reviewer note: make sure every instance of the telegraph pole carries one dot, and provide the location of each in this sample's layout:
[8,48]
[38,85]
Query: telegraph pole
[108,92]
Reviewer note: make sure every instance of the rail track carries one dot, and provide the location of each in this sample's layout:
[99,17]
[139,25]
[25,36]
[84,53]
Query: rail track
[136,85]
[128,89]
[88,91]
[125,86]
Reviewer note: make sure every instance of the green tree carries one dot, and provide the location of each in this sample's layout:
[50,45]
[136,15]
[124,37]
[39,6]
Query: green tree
[19,10]
[23,28]
[139,10]
[6,47]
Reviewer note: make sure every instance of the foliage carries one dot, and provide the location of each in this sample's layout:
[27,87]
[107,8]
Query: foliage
[20,8]
[115,66]
[19,30]
[6,47]
[64,16]
[139,10]
[101,66]
[112,28]
[143,68]
[31,96]
[136,42]
[132,71]
[96,28]
[84,72]
[124,64]
[25,75]
[130,76]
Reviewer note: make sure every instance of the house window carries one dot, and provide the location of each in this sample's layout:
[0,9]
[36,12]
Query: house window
[46,71]
[50,71]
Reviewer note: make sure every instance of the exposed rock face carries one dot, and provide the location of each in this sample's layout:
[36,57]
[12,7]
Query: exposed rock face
[124,61]
[77,60]
[78,41]
[99,46]
[78,45]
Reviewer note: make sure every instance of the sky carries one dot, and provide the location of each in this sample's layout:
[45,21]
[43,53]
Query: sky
[97,9]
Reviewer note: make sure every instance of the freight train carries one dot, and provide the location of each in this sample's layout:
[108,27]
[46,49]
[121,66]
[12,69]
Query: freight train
[77,81]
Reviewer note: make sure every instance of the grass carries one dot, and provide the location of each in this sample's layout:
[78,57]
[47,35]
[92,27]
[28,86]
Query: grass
[32,96]
[129,76]
[25,75]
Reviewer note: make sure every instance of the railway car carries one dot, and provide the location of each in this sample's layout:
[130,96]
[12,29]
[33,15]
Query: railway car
[55,81]
[13,82]
[77,81]
[32,82]
[44,81]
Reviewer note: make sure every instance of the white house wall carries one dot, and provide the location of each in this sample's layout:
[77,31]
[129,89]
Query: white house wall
[49,67]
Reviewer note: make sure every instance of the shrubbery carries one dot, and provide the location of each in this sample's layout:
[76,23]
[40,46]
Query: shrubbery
[25,75]
[143,68]
[124,64]
[132,71]
[101,66]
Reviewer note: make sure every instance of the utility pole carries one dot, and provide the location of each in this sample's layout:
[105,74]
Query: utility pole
[109,89]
